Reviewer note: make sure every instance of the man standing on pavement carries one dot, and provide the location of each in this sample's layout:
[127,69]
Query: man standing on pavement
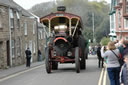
[28,57]
[101,60]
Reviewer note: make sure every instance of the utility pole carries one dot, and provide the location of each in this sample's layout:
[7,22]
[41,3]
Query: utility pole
[93,26]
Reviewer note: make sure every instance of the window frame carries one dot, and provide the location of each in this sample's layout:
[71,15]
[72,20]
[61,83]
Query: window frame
[25,28]
[13,48]
[11,14]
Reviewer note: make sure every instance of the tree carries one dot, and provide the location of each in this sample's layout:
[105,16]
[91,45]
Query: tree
[105,41]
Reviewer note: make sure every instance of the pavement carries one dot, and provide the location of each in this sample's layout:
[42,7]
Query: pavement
[10,71]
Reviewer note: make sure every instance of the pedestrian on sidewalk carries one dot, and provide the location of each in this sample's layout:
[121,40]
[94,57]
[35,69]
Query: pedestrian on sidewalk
[100,59]
[28,57]
[39,55]
[113,66]
[124,71]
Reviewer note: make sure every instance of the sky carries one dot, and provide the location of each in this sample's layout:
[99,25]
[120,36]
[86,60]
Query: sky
[27,4]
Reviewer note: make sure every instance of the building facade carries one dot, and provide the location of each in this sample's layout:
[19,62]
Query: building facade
[41,38]
[113,20]
[121,19]
[18,31]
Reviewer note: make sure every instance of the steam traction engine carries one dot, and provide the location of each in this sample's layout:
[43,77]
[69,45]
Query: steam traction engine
[65,41]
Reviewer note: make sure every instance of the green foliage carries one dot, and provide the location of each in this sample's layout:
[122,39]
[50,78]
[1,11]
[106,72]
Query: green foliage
[88,33]
[105,41]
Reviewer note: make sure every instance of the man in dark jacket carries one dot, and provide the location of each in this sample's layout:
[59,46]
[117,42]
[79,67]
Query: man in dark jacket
[28,57]
[99,57]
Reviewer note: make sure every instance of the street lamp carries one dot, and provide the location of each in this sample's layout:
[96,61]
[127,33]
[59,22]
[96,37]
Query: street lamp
[93,27]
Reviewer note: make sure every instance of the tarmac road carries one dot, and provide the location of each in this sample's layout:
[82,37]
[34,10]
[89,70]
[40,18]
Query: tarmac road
[65,75]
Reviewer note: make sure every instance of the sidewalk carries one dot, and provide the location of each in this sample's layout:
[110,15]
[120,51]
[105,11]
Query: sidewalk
[13,70]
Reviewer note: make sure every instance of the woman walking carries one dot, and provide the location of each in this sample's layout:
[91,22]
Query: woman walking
[113,66]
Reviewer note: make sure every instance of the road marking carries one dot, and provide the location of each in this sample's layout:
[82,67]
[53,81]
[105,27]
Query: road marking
[101,76]
[19,73]
[105,74]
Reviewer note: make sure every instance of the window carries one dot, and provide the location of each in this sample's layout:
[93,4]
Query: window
[18,19]
[117,2]
[41,34]
[120,37]
[18,47]
[126,23]
[25,28]
[119,19]
[13,50]
[112,21]
[126,38]
[44,34]
[30,45]
[0,21]
[126,9]
[11,18]
[26,46]
[34,47]
[34,27]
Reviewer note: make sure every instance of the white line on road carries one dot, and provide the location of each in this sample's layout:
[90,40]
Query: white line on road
[101,76]
[105,74]
[19,73]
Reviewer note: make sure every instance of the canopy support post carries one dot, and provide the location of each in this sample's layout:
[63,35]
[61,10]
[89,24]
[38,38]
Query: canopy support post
[75,27]
[49,28]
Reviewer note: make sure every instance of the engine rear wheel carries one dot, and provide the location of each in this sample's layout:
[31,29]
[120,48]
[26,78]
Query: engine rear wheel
[77,60]
[83,61]
[54,65]
[47,61]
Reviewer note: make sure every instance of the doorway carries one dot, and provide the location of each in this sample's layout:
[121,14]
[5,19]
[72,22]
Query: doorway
[0,54]
[8,53]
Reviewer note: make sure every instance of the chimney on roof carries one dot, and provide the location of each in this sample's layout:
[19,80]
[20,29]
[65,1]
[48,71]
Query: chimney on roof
[10,0]
[61,8]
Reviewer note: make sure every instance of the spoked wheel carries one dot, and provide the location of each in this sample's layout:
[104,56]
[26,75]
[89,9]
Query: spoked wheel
[47,61]
[77,60]
[54,65]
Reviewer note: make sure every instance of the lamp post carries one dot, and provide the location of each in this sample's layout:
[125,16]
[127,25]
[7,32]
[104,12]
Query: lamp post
[93,27]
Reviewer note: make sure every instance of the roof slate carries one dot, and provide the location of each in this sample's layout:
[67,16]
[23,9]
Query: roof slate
[12,4]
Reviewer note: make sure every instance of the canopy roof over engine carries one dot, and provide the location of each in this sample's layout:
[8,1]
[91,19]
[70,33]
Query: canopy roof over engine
[61,18]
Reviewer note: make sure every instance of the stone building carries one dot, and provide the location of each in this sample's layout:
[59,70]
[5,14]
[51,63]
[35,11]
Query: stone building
[41,37]
[18,30]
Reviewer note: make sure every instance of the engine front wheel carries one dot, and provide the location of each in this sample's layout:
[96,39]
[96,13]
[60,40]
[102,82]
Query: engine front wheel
[47,61]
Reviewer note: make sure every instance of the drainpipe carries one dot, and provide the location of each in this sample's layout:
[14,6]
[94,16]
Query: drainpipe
[37,37]
[10,38]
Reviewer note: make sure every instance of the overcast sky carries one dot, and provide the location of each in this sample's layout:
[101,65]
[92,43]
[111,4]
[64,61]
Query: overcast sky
[27,4]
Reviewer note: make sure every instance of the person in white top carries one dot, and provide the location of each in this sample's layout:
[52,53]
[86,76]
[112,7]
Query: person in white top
[113,66]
